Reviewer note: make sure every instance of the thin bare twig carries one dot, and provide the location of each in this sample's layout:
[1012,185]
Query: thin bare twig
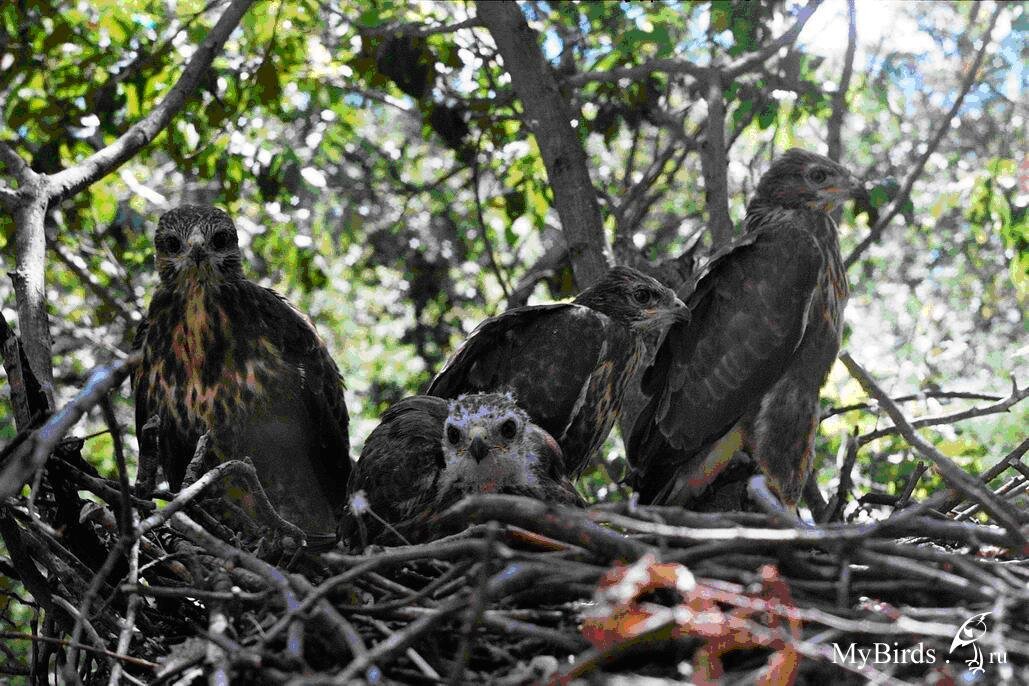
[941,129]
[1003,405]
[955,477]
[15,636]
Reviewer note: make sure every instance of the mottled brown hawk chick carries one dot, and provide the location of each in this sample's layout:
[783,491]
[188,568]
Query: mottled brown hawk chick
[226,356]
[567,363]
[427,453]
[745,372]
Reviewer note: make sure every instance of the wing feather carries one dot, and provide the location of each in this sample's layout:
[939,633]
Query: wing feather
[543,353]
[402,458]
[321,386]
[749,311]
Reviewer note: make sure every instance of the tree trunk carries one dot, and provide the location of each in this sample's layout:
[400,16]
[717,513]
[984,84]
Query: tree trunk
[548,116]
[839,99]
[714,165]
[29,203]
[30,287]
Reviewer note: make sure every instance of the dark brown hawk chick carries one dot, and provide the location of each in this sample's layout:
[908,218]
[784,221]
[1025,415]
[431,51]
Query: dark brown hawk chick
[567,363]
[427,453]
[224,355]
[745,372]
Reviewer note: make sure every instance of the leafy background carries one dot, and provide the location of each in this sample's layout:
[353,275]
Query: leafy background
[387,183]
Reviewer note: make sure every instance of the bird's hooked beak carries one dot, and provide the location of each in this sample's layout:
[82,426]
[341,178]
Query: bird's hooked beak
[829,199]
[855,186]
[680,312]
[197,251]
[478,448]
[659,317]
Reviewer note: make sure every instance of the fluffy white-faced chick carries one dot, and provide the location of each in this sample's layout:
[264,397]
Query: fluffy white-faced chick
[490,446]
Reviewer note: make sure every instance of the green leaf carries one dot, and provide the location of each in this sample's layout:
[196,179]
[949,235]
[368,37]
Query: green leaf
[514,204]
[721,15]
[878,197]
[766,117]
[267,77]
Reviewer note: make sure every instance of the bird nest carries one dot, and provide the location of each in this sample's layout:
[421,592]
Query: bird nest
[500,589]
[510,590]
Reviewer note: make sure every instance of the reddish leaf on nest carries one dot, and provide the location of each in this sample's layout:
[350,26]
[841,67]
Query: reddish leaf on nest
[619,616]
[729,620]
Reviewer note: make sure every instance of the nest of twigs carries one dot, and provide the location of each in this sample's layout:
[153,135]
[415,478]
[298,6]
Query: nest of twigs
[503,589]
[513,591]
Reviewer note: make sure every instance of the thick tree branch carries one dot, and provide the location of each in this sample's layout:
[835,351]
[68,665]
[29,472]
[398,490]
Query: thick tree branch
[839,98]
[33,453]
[16,166]
[30,282]
[8,198]
[25,391]
[36,191]
[714,165]
[941,129]
[956,478]
[140,134]
[549,117]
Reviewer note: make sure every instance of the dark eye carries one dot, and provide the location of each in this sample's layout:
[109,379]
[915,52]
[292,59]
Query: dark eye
[819,175]
[453,435]
[168,244]
[642,296]
[221,240]
[508,429]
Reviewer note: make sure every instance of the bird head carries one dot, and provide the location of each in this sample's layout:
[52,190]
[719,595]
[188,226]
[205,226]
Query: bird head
[632,298]
[484,444]
[195,243]
[802,179]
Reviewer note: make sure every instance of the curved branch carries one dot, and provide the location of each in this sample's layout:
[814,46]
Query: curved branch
[956,478]
[33,453]
[16,166]
[548,115]
[748,62]
[893,209]
[699,72]
[140,134]
[1003,405]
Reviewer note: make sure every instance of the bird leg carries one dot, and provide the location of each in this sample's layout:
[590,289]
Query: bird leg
[146,474]
[285,536]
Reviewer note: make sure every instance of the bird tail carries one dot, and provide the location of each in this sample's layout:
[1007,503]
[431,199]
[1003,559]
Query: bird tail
[687,479]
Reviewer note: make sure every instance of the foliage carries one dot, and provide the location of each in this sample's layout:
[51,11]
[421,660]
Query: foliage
[352,150]
[383,178]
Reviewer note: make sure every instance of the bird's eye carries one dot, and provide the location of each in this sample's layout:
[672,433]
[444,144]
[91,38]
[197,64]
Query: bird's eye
[453,435]
[220,240]
[819,175]
[508,429]
[642,296]
[168,244]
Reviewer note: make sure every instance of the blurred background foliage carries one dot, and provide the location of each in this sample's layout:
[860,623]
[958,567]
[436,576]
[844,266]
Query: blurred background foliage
[382,177]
